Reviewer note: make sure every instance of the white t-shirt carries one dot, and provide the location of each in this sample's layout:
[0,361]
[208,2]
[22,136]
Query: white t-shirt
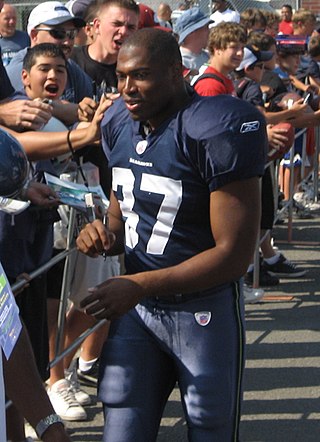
[2,404]
[227,15]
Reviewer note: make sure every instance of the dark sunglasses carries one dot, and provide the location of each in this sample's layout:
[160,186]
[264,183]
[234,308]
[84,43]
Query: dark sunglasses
[260,66]
[60,34]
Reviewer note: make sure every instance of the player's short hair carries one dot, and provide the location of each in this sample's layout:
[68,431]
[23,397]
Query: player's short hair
[272,18]
[160,45]
[251,17]
[303,16]
[90,13]
[287,6]
[131,5]
[263,41]
[224,33]
[314,46]
[40,50]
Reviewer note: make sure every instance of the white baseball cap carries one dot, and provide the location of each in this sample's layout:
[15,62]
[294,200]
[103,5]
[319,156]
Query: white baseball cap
[52,13]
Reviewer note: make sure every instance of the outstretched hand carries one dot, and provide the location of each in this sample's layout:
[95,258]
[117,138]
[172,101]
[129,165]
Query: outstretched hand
[25,114]
[94,126]
[41,195]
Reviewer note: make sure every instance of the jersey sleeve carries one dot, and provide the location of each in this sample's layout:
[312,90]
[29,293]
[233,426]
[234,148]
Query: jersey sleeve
[229,144]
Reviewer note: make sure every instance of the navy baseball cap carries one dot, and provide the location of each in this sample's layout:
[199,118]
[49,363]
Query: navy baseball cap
[252,55]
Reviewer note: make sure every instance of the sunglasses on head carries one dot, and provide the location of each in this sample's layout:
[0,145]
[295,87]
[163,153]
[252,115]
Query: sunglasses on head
[60,34]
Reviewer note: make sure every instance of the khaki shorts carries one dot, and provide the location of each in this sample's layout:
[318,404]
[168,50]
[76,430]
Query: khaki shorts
[89,272]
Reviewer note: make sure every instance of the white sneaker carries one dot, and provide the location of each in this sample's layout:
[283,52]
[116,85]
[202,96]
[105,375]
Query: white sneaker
[313,206]
[64,402]
[71,375]
[252,295]
[306,201]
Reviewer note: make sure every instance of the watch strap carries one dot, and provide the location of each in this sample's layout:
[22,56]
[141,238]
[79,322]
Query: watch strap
[46,422]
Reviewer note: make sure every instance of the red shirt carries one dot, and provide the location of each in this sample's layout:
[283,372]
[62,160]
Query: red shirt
[286,27]
[210,86]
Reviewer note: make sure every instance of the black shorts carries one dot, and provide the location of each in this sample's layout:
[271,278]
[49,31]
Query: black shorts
[267,201]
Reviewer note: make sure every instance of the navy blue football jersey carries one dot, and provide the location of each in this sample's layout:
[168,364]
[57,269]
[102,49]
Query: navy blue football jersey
[163,181]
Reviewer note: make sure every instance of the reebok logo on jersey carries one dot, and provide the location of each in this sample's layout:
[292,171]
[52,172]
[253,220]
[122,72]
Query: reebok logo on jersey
[202,318]
[250,126]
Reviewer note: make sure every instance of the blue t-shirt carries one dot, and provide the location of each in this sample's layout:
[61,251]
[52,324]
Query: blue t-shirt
[11,45]
[79,84]
[163,182]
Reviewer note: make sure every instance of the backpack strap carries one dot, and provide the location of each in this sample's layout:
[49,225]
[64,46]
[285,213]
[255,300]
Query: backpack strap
[240,86]
[208,75]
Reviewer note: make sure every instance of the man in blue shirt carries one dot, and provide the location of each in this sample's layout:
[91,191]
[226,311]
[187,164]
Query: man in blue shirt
[186,193]
[12,39]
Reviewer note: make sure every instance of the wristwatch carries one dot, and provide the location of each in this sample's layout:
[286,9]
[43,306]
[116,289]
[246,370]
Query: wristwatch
[46,422]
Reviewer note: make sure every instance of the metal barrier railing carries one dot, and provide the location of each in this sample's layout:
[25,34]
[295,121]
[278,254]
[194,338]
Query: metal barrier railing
[288,205]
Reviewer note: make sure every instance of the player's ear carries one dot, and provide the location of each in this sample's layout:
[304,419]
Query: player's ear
[33,35]
[25,77]
[96,25]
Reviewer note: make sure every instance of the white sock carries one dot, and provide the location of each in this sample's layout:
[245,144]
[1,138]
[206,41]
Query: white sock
[86,365]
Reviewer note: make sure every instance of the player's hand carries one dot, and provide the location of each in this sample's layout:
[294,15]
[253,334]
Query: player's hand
[276,137]
[42,195]
[86,109]
[95,239]
[25,114]
[113,298]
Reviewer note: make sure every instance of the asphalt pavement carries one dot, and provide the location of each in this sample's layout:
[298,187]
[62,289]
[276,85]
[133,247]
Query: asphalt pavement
[282,392]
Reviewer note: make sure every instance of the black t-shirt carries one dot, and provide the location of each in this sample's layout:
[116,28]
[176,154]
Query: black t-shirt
[103,74]
[273,80]
[249,90]
[6,88]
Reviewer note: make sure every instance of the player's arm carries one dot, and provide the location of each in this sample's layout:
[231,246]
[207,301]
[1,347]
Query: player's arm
[25,388]
[44,145]
[235,217]
[65,111]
